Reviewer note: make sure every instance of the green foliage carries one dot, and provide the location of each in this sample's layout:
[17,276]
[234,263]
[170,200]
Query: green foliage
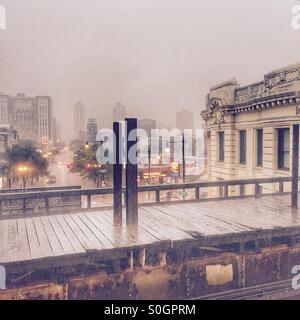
[25,155]
[85,163]
[76,144]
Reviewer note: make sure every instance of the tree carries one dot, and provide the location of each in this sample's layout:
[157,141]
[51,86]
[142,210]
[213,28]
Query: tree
[85,163]
[24,162]
[76,144]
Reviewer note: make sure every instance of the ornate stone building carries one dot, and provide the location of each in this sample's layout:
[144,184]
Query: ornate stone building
[8,138]
[31,117]
[249,128]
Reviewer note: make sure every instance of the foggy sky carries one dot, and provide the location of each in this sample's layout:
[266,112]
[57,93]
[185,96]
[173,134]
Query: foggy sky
[155,56]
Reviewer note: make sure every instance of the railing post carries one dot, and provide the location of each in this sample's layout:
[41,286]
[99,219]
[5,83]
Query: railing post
[89,201]
[131,172]
[226,191]
[157,195]
[242,190]
[295,166]
[197,193]
[281,187]
[257,191]
[117,175]
[47,204]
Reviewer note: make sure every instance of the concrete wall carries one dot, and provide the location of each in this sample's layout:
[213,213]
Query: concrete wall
[40,205]
[191,279]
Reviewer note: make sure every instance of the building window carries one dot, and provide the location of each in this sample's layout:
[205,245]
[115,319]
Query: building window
[221,146]
[283,148]
[259,147]
[243,147]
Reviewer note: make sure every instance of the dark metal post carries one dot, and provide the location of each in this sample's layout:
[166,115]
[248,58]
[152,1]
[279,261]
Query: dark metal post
[117,173]
[295,166]
[183,159]
[131,173]
[149,161]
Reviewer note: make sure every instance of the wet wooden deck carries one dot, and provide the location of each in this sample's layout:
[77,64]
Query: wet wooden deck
[39,237]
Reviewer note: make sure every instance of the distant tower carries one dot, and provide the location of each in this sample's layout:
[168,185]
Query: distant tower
[119,112]
[92,129]
[185,120]
[79,120]
[147,125]
[4,106]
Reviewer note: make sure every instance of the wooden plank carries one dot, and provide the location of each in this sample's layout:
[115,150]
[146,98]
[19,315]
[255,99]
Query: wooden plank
[77,246]
[96,243]
[194,221]
[64,241]
[35,249]
[167,227]
[129,236]
[85,242]
[46,250]
[10,238]
[23,244]
[96,230]
[52,237]
[120,235]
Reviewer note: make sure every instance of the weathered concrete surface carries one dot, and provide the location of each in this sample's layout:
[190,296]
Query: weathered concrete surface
[190,279]
[37,292]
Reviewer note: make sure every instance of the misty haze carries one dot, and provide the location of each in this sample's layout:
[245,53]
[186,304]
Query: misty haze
[156,57]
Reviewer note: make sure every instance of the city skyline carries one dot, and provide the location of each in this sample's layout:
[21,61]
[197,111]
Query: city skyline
[176,60]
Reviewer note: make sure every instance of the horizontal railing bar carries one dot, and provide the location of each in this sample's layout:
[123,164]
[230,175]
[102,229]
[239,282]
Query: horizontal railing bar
[106,191]
[37,189]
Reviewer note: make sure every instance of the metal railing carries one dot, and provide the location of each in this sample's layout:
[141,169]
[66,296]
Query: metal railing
[39,189]
[197,195]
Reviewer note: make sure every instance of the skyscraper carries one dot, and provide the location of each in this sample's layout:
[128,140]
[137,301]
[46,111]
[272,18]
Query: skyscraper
[31,117]
[4,102]
[45,119]
[147,125]
[92,129]
[79,120]
[119,112]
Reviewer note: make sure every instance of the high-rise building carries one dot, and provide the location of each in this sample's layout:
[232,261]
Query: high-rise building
[119,112]
[45,119]
[8,138]
[185,120]
[58,132]
[147,125]
[32,117]
[79,120]
[4,102]
[55,131]
[92,129]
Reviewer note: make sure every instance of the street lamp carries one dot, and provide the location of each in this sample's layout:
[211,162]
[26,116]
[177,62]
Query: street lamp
[23,170]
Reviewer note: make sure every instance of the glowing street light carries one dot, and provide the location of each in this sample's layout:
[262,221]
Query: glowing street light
[23,169]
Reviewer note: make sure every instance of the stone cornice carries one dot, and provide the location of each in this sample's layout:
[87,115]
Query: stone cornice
[284,99]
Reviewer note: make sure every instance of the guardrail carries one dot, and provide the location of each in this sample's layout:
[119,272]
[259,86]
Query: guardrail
[41,189]
[197,195]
